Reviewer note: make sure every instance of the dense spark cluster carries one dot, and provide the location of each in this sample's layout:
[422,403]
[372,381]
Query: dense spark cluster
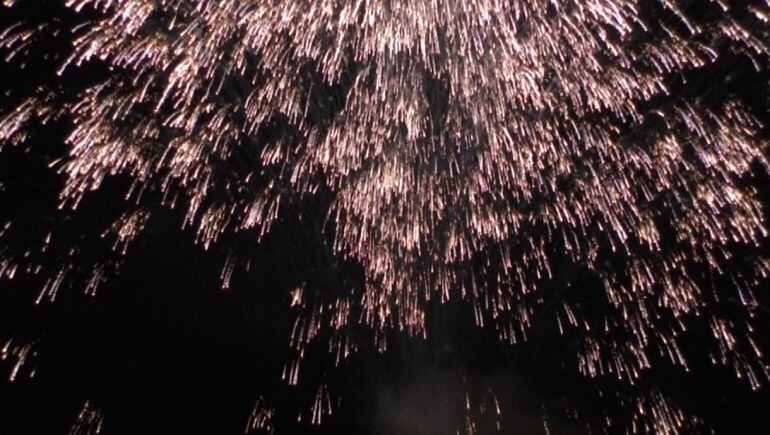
[20,356]
[89,421]
[261,418]
[467,147]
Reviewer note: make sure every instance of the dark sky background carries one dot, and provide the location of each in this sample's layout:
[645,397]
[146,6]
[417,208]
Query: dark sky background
[163,349]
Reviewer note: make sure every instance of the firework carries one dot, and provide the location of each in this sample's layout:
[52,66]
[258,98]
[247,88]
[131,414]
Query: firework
[89,421]
[465,148]
[21,357]
[261,418]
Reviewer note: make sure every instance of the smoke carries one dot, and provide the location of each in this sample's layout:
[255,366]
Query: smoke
[447,400]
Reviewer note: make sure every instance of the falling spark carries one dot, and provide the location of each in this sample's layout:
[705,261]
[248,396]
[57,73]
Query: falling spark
[261,418]
[21,356]
[89,421]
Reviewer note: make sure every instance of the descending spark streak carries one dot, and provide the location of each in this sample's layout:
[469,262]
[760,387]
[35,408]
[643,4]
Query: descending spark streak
[21,357]
[89,421]
[452,134]
[321,406]
[261,418]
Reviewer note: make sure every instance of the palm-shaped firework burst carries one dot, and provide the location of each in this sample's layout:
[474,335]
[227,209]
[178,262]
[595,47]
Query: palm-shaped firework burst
[463,149]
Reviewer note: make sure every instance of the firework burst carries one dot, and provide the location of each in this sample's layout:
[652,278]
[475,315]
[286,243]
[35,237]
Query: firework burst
[463,150]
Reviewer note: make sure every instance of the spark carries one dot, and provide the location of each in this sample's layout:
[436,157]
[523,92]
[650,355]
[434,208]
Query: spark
[89,421]
[261,418]
[21,356]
